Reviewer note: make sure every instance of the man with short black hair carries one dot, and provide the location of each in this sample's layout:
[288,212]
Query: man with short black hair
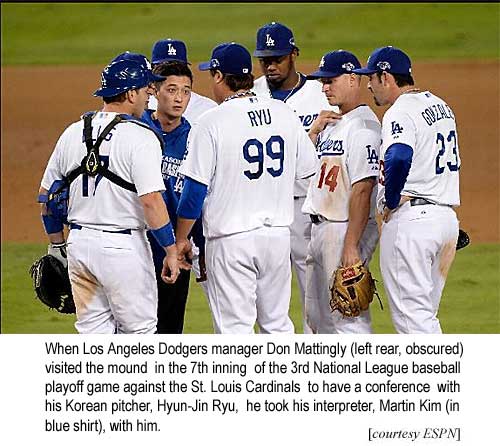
[277,54]
[244,157]
[172,95]
[164,52]
[173,50]
[418,189]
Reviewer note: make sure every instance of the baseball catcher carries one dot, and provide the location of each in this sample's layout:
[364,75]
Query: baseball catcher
[352,289]
[51,281]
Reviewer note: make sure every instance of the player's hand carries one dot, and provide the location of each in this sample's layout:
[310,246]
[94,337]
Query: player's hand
[58,250]
[184,253]
[324,118]
[350,255]
[386,215]
[170,270]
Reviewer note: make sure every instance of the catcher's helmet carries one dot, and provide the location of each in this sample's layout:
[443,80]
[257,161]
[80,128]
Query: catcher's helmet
[123,75]
[127,55]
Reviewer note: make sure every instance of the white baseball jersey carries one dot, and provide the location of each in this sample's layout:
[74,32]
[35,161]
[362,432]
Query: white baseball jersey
[307,102]
[111,274]
[197,105]
[427,124]
[131,151]
[348,153]
[249,172]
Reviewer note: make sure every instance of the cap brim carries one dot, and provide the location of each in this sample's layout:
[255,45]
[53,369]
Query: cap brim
[271,53]
[319,74]
[364,71]
[204,66]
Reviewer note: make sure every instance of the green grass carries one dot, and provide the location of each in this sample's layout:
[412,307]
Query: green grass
[470,302]
[93,33]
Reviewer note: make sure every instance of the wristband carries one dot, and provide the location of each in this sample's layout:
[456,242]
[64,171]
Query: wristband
[164,235]
[52,225]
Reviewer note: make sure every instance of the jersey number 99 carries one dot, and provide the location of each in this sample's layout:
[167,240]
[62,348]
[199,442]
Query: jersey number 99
[253,152]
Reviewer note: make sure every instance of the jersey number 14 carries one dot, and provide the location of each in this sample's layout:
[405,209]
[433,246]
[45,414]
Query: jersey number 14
[329,179]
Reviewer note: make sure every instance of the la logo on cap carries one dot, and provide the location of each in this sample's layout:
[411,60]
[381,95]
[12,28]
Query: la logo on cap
[269,40]
[171,50]
[322,62]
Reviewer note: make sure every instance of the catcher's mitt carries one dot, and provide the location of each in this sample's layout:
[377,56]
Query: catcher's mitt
[463,239]
[51,284]
[351,290]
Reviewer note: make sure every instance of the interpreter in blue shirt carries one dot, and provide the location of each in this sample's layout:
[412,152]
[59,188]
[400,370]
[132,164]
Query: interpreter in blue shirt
[173,95]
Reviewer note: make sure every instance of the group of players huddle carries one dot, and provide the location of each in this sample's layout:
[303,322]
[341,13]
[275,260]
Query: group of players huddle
[287,170]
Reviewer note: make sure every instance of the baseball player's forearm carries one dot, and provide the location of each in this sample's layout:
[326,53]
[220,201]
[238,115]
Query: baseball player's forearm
[397,164]
[184,226]
[155,210]
[359,211]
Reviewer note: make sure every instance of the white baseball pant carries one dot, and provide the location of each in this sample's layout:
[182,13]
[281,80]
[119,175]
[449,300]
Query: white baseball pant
[300,236]
[417,248]
[113,282]
[249,281]
[324,257]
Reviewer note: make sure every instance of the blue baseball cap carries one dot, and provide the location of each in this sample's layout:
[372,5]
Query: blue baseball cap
[336,63]
[274,39]
[123,75]
[389,59]
[169,50]
[230,58]
[127,55]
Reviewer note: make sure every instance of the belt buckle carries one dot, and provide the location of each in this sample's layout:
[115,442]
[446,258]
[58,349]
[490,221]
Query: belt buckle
[417,201]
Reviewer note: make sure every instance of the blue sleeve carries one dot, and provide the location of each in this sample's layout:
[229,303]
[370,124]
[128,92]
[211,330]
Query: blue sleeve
[191,202]
[397,163]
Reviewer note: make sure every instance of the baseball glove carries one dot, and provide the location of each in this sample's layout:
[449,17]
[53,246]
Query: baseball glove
[351,290]
[463,239]
[51,284]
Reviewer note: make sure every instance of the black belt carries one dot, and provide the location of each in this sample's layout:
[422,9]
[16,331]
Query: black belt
[316,219]
[124,231]
[419,202]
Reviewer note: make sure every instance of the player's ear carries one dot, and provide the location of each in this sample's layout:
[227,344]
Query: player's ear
[218,77]
[293,55]
[385,78]
[352,80]
[129,95]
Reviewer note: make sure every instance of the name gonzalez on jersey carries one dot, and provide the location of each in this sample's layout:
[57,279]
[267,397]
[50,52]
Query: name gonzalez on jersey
[436,112]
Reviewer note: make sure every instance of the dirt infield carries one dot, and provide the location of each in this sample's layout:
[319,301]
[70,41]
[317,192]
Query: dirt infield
[38,103]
